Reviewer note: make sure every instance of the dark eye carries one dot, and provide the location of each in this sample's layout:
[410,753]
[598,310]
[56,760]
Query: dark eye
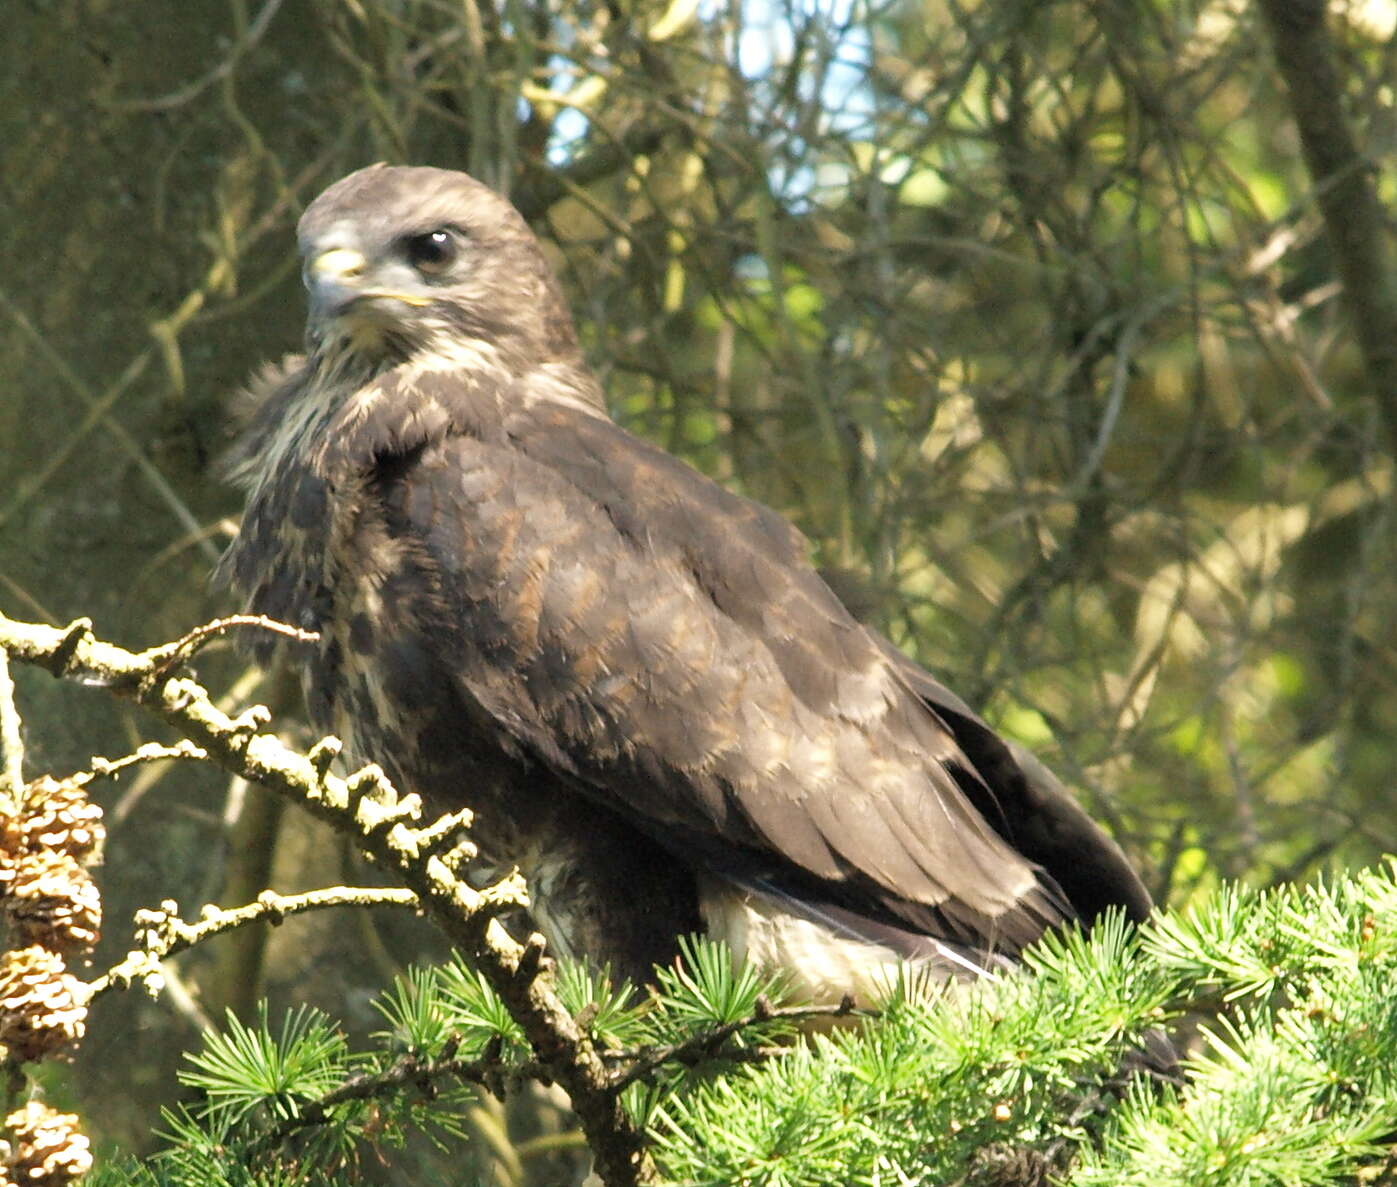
[433,252]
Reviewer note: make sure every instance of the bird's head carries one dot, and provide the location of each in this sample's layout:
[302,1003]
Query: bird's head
[399,261]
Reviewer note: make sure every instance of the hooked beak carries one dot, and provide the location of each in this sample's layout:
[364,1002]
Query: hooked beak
[335,279]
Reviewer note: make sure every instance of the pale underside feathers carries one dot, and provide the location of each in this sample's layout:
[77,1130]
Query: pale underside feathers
[656,707]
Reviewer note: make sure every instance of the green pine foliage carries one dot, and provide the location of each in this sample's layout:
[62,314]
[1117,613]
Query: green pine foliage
[1281,1002]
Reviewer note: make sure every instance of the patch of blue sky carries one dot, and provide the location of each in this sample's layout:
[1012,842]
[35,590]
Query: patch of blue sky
[806,62]
[805,66]
[569,66]
[835,39]
[569,131]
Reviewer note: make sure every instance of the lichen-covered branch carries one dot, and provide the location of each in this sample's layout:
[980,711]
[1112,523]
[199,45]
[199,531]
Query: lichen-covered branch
[11,739]
[109,768]
[183,649]
[388,827]
[160,933]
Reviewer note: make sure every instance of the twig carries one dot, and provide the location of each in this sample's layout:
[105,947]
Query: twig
[109,768]
[1120,374]
[33,603]
[486,1070]
[699,1047]
[236,694]
[99,411]
[386,826]
[183,1000]
[11,739]
[173,655]
[196,88]
[161,934]
[166,331]
[492,1073]
[545,187]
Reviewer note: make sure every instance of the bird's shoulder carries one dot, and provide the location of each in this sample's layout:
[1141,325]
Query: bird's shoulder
[415,422]
[447,451]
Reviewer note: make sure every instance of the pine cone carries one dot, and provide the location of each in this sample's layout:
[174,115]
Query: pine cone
[51,901]
[46,1148]
[56,816]
[42,1010]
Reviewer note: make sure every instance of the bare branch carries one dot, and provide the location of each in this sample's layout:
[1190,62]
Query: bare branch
[173,655]
[193,90]
[1344,189]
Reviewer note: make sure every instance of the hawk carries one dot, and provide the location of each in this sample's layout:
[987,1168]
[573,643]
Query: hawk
[655,706]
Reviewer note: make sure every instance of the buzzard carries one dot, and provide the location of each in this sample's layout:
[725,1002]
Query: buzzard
[656,707]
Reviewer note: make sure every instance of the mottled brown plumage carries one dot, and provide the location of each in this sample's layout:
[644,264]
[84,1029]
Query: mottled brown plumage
[654,704]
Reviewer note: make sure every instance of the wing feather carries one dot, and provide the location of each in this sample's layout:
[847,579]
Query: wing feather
[671,643]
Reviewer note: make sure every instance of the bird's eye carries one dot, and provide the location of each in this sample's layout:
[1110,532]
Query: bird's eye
[432,253]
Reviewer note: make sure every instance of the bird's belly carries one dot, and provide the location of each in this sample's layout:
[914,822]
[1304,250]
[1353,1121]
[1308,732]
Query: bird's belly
[825,961]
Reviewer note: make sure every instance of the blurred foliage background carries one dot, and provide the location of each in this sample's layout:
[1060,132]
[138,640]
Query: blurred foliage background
[1023,311]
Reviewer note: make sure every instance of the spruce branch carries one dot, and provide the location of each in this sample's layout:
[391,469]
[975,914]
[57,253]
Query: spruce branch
[423,1069]
[389,828]
[708,1043]
[487,1070]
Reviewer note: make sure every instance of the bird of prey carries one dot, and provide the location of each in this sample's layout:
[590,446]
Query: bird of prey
[655,706]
